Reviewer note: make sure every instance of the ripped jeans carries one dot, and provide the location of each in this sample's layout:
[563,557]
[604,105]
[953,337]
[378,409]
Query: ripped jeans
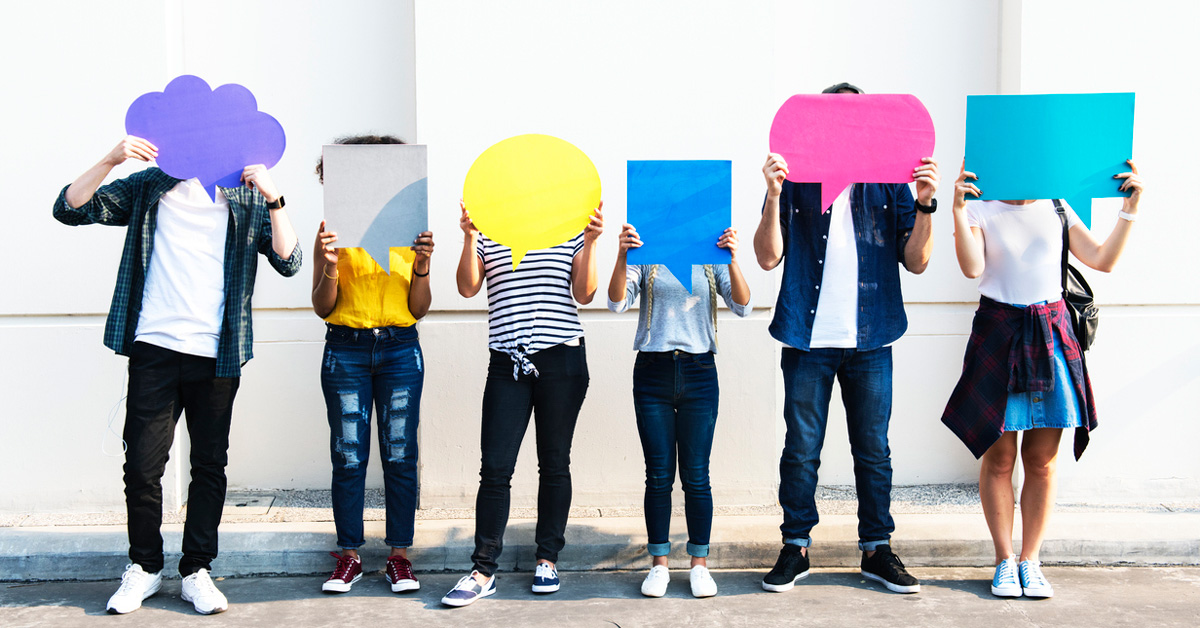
[384,367]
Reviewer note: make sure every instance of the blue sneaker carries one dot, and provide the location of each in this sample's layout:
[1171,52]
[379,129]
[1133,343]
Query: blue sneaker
[468,590]
[1004,583]
[1033,582]
[545,578]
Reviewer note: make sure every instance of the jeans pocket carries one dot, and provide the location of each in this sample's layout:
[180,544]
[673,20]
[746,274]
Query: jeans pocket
[339,336]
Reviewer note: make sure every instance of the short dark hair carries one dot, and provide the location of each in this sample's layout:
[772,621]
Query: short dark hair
[835,89]
[356,139]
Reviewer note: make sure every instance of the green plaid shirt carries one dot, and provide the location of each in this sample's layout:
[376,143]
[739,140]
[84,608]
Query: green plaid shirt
[133,202]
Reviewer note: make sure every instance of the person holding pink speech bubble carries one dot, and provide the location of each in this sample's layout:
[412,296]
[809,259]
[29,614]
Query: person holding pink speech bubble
[538,367]
[839,311]
[1024,370]
[181,312]
[675,392]
[372,357]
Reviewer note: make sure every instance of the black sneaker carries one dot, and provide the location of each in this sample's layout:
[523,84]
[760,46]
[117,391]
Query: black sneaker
[885,568]
[791,568]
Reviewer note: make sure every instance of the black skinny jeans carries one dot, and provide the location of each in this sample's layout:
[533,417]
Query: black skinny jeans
[162,385]
[554,398]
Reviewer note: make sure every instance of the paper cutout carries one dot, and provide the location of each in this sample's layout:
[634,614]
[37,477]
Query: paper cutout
[531,192]
[680,209]
[1065,146]
[210,134]
[840,139]
[376,196]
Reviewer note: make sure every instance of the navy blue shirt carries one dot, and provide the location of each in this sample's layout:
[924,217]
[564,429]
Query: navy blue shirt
[883,216]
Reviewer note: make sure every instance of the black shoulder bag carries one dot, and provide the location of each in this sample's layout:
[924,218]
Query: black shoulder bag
[1085,314]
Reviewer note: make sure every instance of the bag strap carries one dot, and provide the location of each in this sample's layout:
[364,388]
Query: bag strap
[1062,217]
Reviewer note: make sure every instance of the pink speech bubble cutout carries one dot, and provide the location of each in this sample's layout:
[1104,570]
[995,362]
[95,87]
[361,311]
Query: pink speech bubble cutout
[839,139]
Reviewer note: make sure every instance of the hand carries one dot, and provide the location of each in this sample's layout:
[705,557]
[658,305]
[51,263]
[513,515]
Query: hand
[134,147]
[595,225]
[423,247]
[775,171]
[926,177]
[962,187]
[1132,184]
[629,240]
[464,222]
[729,240]
[256,177]
[325,243]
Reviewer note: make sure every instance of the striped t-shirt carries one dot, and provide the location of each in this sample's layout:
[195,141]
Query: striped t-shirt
[530,308]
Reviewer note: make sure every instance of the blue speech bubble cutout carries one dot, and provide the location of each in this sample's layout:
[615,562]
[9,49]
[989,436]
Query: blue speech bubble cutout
[398,215]
[1065,146]
[209,134]
[680,209]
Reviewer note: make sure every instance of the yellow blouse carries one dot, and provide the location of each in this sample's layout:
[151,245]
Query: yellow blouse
[369,296]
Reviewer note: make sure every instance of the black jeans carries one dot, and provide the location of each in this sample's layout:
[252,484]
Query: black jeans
[554,398]
[162,385]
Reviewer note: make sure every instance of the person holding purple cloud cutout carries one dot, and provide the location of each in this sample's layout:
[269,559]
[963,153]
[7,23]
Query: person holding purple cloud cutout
[675,393]
[839,311]
[181,313]
[1024,370]
[372,357]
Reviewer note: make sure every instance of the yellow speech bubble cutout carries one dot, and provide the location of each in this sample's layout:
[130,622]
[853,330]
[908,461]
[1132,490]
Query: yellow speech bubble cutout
[531,192]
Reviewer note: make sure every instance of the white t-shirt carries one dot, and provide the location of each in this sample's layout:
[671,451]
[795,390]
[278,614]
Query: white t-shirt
[836,322]
[1022,250]
[183,301]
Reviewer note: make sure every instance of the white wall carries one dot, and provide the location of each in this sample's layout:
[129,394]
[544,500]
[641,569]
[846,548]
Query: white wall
[622,80]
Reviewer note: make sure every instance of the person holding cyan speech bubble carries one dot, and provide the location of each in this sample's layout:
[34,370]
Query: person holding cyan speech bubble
[181,309]
[1024,369]
[839,308]
[372,357]
[675,393]
[531,191]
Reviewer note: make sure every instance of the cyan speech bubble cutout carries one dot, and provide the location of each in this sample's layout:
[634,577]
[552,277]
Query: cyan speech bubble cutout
[839,139]
[680,209]
[376,196]
[1065,146]
[210,134]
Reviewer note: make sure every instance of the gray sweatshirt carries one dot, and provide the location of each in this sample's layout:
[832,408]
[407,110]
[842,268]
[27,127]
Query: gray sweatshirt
[680,320]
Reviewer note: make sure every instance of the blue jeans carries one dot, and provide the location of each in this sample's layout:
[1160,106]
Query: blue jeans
[866,382]
[383,366]
[675,399]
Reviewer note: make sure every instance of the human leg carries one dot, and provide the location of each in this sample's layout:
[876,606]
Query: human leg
[398,383]
[346,383]
[696,421]
[866,382]
[996,492]
[808,384]
[1039,457]
[654,408]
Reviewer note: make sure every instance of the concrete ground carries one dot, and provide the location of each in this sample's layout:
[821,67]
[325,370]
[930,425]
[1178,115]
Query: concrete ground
[1086,596]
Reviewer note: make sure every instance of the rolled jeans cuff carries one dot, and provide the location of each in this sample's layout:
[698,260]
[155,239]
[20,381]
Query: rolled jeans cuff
[658,549]
[870,546]
[804,542]
[697,551]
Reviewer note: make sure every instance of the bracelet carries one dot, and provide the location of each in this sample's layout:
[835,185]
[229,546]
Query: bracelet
[417,274]
[327,275]
[1127,216]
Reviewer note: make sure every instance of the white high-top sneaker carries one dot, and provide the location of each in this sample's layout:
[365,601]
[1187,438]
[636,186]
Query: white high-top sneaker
[199,589]
[136,585]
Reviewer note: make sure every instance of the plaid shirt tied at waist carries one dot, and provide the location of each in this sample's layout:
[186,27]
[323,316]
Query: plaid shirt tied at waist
[1011,350]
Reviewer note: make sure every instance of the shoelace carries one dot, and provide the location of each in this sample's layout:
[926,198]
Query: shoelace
[399,569]
[462,583]
[893,563]
[1007,573]
[131,579]
[1033,574]
[344,564]
[543,571]
[204,582]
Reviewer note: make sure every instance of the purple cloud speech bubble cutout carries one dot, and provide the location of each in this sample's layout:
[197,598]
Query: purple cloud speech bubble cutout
[210,134]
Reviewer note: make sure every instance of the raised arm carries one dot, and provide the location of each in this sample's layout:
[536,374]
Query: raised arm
[739,290]
[283,237]
[419,295]
[82,189]
[325,272]
[470,267]
[919,247]
[618,291]
[768,238]
[968,240]
[584,279]
[1103,256]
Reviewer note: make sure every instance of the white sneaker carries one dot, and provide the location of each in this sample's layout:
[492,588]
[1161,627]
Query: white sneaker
[136,585]
[655,584]
[199,589]
[703,584]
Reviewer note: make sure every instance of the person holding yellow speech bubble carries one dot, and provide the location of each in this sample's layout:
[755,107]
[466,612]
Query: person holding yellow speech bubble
[538,366]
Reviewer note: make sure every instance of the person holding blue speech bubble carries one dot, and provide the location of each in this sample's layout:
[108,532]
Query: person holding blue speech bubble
[675,393]
[538,367]
[181,312]
[839,311]
[1024,370]
[372,357]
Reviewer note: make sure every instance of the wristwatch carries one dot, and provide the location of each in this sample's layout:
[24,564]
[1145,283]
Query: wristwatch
[276,204]
[928,209]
